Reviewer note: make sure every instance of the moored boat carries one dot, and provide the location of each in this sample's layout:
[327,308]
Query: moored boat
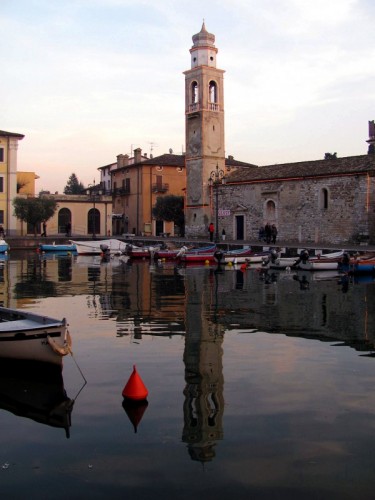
[360,266]
[95,247]
[242,255]
[25,335]
[52,247]
[4,247]
[199,255]
[141,252]
[328,261]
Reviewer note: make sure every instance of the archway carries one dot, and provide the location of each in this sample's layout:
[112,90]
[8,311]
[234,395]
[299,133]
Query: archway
[64,218]
[93,222]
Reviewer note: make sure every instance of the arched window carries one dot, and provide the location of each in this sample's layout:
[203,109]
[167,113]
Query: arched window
[194,93]
[270,212]
[64,217]
[212,92]
[323,202]
[93,222]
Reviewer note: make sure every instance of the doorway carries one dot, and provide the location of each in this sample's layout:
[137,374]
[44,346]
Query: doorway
[240,227]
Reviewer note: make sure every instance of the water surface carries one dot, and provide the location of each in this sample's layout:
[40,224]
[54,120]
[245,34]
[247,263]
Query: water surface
[260,386]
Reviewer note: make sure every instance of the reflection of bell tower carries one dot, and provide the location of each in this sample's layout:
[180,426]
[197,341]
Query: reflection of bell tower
[204,129]
[204,402]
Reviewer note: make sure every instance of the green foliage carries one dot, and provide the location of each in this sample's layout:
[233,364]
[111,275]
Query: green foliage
[170,208]
[34,210]
[73,185]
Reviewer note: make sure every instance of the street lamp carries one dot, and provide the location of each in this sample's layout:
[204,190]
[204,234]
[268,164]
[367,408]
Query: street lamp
[216,178]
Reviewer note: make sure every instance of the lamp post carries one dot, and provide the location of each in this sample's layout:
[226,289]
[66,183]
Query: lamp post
[216,178]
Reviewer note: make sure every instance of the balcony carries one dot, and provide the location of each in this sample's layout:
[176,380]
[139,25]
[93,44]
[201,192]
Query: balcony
[122,191]
[160,188]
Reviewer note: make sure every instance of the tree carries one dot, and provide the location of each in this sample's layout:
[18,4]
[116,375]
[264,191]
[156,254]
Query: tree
[34,210]
[73,185]
[330,156]
[171,209]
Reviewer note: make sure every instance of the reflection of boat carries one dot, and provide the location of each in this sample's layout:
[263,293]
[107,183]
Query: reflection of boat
[319,265]
[4,247]
[36,391]
[57,248]
[24,335]
[95,247]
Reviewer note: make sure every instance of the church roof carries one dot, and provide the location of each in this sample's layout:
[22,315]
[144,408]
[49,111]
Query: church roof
[350,165]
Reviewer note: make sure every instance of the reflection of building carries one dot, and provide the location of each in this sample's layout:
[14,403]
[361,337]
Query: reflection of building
[204,401]
[8,178]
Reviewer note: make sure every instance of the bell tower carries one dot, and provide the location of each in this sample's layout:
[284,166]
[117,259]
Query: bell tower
[204,130]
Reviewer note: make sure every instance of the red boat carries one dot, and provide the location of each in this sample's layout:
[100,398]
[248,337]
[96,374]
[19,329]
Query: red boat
[199,255]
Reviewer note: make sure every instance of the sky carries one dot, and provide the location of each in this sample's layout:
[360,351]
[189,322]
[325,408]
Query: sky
[87,80]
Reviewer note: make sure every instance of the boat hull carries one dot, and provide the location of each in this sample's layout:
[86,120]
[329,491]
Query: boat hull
[31,337]
[57,248]
[95,247]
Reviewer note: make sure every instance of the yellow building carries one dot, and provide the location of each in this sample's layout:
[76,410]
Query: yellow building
[136,185]
[87,215]
[8,179]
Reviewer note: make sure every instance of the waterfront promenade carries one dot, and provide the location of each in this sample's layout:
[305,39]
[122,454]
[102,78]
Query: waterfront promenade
[32,242]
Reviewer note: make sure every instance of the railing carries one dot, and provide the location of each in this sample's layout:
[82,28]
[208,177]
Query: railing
[212,106]
[160,188]
[120,191]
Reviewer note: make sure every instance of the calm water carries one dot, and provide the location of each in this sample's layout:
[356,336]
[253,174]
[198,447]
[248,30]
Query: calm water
[259,386]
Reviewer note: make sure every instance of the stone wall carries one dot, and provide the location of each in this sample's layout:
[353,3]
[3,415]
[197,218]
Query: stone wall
[332,210]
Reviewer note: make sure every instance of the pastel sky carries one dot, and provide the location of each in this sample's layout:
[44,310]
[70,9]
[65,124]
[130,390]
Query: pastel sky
[86,80]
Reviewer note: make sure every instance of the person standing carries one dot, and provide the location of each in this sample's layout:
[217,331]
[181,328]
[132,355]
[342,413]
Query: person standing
[273,233]
[267,231]
[223,234]
[211,230]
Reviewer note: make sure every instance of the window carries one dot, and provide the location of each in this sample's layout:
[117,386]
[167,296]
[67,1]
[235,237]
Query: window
[270,214]
[127,185]
[324,199]
[1,184]
[212,92]
[1,155]
[1,216]
[194,93]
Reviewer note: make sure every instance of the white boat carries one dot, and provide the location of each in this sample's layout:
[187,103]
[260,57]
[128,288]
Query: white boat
[29,336]
[96,247]
[306,262]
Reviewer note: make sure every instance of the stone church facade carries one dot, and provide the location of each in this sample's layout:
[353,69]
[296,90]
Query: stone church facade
[328,201]
[324,201]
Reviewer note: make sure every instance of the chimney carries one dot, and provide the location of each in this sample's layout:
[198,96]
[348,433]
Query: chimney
[137,155]
[371,138]
[122,161]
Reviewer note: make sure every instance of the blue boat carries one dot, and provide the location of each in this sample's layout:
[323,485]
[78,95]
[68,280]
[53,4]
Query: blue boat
[4,247]
[68,248]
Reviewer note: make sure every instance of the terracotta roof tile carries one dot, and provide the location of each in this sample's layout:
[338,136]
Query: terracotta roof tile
[317,168]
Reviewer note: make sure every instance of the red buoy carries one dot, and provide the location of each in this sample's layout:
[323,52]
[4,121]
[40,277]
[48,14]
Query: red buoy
[135,388]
